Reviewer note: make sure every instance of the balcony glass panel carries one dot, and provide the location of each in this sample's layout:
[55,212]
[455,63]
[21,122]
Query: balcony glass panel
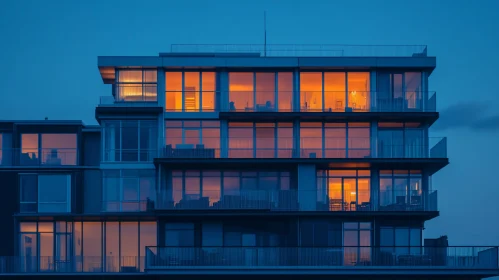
[358,91]
[401,191]
[241,91]
[334,91]
[265,92]
[285,91]
[311,91]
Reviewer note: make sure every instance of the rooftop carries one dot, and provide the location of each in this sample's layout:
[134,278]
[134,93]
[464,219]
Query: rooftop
[304,50]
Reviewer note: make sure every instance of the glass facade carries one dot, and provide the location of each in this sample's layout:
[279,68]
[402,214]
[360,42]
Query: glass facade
[45,193]
[260,91]
[111,246]
[130,141]
[335,91]
[190,91]
[400,190]
[128,190]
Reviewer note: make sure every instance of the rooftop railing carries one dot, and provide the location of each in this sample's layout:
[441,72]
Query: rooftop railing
[303,50]
[321,258]
[295,200]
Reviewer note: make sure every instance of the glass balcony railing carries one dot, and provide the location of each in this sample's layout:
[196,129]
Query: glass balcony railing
[38,157]
[321,258]
[309,101]
[127,206]
[306,50]
[292,200]
[309,147]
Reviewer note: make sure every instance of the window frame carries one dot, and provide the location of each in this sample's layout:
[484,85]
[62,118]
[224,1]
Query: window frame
[143,84]
[108,153]
[254,92]
[41,151]
[201,92]
[142,205]
[69,187]
[346,107]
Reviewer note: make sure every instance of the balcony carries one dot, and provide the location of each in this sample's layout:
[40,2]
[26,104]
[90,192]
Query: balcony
[78,265]
[294,200]
[329,102]
[39,157]
[312,147]
[284,50]
[323,260]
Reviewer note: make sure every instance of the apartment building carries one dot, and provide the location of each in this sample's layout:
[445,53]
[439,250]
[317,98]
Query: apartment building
[231,161]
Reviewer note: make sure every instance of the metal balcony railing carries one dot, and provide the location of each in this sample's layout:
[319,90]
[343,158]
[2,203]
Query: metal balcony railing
[321,258]
[75,264]
[293,200]
[306,50]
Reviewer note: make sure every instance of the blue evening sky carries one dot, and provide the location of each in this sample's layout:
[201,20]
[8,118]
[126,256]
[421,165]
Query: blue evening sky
[49,49]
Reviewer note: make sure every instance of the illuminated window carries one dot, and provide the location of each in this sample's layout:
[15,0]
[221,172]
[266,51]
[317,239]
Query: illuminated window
[358,91]
[311,91]
[249,91]
[190,91]
[347,190]
[136,85]
[335,91]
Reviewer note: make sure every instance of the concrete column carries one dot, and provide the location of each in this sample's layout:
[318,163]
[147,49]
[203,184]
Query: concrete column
[374,189]
[223,88]
[161,88]
[307,187]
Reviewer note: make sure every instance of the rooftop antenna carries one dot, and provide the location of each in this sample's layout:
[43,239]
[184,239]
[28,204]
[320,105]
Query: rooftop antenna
[264,33]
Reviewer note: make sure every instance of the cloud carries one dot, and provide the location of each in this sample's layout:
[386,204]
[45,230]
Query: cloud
[468,115]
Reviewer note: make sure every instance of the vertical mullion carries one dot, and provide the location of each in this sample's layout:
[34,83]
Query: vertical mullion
[347,128]
[200,92]
[255,147]
[276,92]
[276,140]
[138,140]
[183,91]
[323,92]
[346,90]
[323,140]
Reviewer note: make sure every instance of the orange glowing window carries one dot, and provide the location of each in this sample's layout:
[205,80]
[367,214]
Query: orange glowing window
[241,91]
[334,91]
[311,91]
[358,91]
